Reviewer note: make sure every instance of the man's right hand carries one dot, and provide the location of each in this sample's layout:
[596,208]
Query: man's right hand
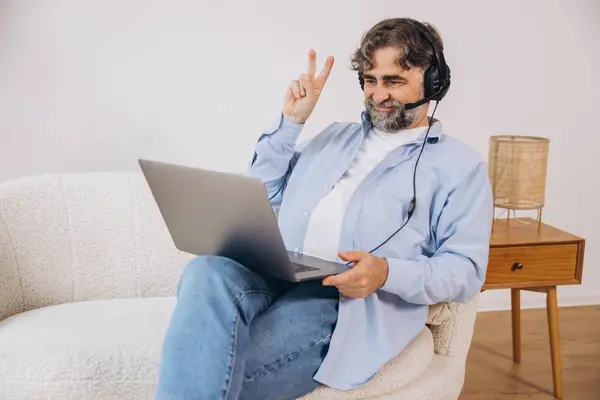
[302,94]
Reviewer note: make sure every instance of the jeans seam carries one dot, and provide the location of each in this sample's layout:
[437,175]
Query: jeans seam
[238,299]
[265,369]
[231,357]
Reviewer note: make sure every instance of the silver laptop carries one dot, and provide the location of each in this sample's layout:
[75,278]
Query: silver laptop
[229,215]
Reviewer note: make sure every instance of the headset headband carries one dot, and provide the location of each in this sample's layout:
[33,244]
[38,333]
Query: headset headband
[439,58]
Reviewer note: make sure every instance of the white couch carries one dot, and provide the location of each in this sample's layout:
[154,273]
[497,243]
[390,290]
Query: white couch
[88,274]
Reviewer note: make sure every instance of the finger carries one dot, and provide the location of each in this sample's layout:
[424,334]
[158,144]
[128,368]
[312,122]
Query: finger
[326,70]
[353,255]
[334,280]
[349,293]
[295,88]
[330,281]
[312,63]
[345,255]
[356,294]
[346,287]
[306,82]
[343,278]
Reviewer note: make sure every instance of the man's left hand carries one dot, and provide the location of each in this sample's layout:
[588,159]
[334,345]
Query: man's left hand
[368,274]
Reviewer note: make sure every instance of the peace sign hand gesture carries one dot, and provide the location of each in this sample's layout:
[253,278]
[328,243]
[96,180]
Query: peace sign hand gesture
[302,94]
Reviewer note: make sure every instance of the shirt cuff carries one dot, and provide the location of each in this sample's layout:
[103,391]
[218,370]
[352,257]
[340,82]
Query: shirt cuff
[398,276]
[284,129]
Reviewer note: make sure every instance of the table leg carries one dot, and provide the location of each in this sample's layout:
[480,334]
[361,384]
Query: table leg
[515,300]
[552,310]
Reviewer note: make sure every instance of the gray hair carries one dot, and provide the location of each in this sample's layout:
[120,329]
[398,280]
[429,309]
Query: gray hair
[401,33]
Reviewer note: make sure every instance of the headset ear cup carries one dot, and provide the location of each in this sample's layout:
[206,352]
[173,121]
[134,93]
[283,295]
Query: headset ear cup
[431,80]
[446,85]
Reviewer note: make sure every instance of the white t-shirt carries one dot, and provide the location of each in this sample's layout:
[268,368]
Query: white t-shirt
[324,228]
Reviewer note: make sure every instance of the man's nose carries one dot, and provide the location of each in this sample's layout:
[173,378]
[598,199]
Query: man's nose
[380,96]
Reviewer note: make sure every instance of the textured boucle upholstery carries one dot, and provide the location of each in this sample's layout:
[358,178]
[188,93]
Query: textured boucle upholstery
[88,272]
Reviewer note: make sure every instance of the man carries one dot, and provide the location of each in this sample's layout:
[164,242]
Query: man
[414,235]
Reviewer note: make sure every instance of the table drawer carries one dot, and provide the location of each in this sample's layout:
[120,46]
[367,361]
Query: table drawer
[516,264]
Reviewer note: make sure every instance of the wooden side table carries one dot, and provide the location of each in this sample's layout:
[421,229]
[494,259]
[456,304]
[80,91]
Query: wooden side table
[523,257]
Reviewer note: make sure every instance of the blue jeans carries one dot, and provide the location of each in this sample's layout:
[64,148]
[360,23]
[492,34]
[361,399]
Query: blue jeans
[237,335]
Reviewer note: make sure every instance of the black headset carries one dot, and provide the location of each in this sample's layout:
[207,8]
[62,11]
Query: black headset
[436,82]
[436,79]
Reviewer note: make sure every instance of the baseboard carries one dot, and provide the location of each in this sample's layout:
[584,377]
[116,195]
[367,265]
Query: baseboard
[499,300]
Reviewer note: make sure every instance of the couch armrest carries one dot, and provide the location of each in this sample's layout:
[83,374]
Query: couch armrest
[452,336]
[11,295]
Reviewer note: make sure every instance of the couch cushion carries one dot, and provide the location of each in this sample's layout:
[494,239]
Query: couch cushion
[110,349]
[88,350]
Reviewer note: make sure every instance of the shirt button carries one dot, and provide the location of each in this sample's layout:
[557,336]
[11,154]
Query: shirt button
[305,213]
[296,250]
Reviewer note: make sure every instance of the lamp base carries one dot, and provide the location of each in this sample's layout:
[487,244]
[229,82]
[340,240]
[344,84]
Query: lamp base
[508,219]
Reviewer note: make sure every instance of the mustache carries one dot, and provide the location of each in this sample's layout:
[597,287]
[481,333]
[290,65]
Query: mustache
[387,103]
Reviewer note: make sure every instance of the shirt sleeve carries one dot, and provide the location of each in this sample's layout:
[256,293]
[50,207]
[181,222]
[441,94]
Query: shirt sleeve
[456,271]
[274,157]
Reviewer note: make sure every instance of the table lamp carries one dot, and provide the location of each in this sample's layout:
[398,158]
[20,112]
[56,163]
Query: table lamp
[517,167]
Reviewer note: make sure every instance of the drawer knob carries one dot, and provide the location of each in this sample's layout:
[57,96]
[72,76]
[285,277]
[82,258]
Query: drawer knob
[517,266]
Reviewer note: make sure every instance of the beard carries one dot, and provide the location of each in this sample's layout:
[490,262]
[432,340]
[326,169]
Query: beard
[391,121]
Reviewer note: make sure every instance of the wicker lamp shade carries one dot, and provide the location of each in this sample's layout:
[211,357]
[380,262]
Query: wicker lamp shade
[517,171]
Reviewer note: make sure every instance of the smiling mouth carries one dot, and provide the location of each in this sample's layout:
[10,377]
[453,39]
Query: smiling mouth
[385,108]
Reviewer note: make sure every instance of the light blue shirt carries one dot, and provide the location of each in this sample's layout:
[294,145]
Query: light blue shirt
[441,255]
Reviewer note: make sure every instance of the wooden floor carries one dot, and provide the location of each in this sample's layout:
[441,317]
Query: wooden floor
[492,375]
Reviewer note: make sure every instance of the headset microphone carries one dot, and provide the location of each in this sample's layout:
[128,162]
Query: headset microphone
[410,106]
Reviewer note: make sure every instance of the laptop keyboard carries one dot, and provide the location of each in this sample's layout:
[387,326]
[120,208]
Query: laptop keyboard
[302,268]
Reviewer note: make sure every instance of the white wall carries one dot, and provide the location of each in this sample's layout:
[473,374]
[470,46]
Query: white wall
[88,86]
